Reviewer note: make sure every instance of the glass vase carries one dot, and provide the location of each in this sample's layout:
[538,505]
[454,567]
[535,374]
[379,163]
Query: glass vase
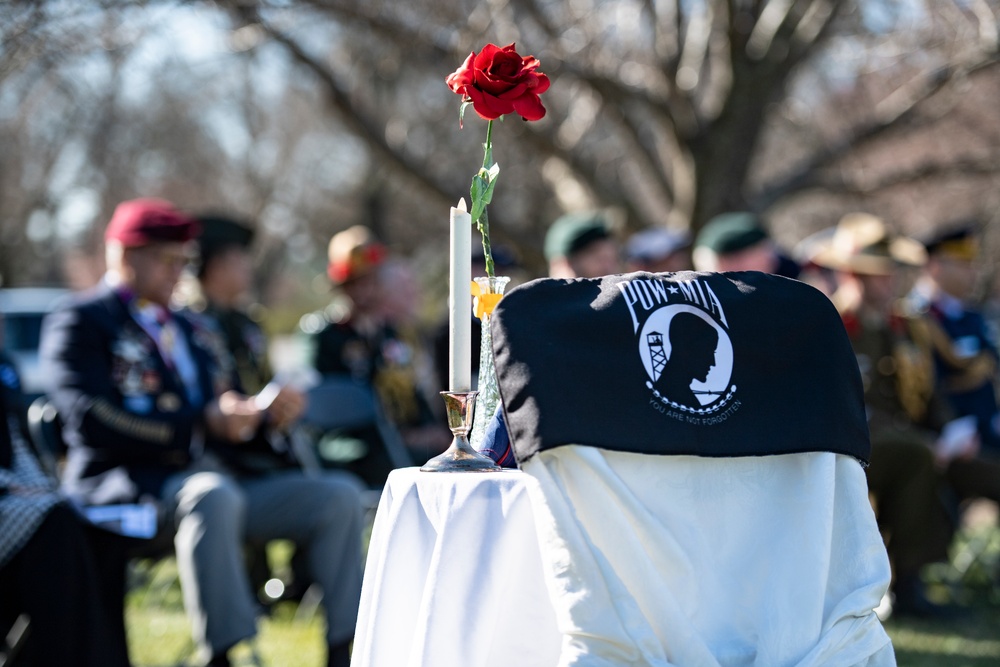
[490,292]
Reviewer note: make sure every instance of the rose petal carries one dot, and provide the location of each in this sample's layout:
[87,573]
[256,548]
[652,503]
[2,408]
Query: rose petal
[529,107]
[487,106]
[485,58]
[498,77]
[515,92]
[463,76]
[541,84]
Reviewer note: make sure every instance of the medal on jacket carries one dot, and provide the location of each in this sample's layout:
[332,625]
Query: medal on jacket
[168,402]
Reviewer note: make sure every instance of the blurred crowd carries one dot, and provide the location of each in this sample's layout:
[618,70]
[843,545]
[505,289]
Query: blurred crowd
[167,403]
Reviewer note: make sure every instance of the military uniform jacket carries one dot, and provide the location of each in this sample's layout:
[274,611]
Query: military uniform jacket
[128,420]
[239,351]
[384,360]
[965,357]
[246,343]
[897,372]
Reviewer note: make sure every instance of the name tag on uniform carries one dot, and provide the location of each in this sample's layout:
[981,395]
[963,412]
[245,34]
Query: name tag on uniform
[168,402]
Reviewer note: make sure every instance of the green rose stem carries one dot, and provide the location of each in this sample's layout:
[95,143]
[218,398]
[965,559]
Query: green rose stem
[484,228]
[482,193]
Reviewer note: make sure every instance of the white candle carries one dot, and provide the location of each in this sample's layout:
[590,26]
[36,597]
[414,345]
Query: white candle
[459,301]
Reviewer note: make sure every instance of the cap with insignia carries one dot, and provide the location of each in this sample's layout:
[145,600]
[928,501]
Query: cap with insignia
[956,241]
[353,253]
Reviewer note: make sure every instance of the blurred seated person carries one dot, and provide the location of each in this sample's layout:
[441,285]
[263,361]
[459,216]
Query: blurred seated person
[581,245]
[224,277]
[739,241]
[907,414]
[965,347]
[352,338]
[223,280]
[47,568]
[402,300]
[658,250]
[150,416]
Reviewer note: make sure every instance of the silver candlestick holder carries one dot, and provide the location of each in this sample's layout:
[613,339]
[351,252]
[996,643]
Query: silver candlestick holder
[460,456]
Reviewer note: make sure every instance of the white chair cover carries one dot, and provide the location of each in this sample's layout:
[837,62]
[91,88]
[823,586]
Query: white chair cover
[704,562]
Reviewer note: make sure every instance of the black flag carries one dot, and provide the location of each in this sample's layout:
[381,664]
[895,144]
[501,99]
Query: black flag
[707,364]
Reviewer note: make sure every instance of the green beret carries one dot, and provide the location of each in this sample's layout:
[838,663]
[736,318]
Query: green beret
[731,232]
[573,232]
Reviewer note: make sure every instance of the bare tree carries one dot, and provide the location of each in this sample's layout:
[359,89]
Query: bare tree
[668,111]
[311,115]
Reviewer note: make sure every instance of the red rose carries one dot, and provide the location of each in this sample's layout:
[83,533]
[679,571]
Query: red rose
[499,81]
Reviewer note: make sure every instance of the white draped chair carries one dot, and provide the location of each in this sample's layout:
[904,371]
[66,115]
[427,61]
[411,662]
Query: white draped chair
[654,560]
[697,485]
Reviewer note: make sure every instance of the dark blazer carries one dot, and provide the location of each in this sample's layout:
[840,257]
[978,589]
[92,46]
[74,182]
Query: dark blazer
[127,418]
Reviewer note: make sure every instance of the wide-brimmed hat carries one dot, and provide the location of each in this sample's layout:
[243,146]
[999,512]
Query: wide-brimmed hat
[862,243]
[353,253]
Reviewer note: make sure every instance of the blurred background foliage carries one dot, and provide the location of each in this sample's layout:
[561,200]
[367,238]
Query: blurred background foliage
[308,116]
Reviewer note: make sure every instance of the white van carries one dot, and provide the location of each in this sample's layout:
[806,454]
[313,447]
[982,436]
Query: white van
[21,312]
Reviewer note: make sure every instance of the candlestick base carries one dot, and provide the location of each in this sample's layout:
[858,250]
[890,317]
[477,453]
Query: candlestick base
[460,456]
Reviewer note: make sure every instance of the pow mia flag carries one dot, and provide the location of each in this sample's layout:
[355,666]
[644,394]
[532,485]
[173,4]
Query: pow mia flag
[706,364]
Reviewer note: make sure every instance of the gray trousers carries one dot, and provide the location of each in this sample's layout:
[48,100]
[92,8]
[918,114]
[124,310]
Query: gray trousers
[216,513]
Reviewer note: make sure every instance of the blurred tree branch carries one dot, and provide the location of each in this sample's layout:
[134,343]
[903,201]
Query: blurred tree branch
[897,109]
[309,115]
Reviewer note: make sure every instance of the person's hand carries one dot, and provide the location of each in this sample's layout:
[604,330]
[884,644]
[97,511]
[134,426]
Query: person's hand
[233,417]
[286,407]
[964,448]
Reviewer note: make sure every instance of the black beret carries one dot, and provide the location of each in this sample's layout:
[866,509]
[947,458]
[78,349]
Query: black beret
[219,233]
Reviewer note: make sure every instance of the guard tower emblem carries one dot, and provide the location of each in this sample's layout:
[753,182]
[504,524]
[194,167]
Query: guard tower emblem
[657,357]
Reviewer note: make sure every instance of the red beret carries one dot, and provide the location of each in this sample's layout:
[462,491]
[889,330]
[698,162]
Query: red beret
[138,222]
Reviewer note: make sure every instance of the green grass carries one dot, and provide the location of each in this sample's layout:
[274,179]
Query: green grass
[969,581]
[159,634]
[161,638]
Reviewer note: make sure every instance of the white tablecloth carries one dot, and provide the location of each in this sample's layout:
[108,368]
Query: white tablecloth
[454,576]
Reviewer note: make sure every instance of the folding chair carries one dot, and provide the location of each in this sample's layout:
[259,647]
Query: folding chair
[46,434]
[341,405]
[718,517]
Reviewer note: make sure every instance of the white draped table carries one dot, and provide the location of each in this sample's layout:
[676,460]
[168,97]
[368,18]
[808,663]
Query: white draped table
[454,576]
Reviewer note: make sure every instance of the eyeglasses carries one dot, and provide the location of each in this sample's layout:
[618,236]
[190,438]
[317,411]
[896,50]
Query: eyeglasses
[166,257]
